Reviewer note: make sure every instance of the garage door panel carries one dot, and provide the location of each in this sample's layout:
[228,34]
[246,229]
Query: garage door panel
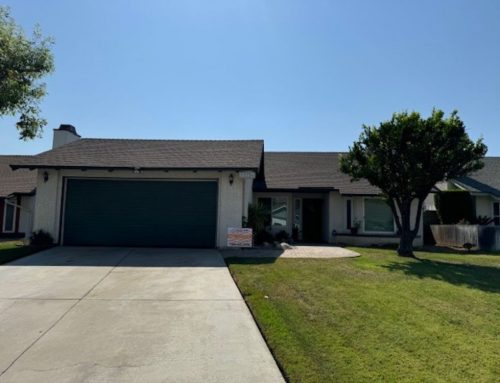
[140,213]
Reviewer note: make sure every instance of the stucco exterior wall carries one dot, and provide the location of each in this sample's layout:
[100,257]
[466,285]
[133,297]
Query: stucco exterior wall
[484,206]
[26,215]
[48,203]
[338,222]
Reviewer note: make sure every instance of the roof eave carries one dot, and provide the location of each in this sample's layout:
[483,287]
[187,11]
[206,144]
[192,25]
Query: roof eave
[84,167]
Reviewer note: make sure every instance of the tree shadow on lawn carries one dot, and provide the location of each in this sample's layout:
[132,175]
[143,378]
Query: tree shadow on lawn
[484,278]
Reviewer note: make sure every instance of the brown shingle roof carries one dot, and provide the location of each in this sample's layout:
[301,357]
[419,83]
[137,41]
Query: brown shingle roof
[309,170]
[151,154]
[22,181]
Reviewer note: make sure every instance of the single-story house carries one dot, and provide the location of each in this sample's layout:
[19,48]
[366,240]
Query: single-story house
[189,192]
[17,191]
[179,193]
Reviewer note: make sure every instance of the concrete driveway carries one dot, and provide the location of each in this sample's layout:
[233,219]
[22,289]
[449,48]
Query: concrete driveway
[127,315]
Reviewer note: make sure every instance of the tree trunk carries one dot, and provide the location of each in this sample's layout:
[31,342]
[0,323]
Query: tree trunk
[405,248]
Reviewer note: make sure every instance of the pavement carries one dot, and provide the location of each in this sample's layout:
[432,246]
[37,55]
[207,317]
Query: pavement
[72,314]
[295,251]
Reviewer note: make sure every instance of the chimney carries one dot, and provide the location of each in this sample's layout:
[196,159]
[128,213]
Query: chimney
[64,135]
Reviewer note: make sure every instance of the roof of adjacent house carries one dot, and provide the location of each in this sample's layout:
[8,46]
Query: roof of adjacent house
[22,181]
[309,171]
[486,180]
[150,154]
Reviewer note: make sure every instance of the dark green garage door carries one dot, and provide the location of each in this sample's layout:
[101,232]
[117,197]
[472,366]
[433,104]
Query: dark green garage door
[140,213]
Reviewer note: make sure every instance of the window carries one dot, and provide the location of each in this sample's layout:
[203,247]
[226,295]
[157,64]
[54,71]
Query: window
[277,211]
[496,213]
[9,218]
[378,216]
[348,213]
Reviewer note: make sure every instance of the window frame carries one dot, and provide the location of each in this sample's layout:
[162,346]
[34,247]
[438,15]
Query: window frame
[270,224]
[14,218]
[378,231]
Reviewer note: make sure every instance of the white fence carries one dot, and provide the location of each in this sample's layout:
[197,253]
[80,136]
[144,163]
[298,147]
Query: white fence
[481,237]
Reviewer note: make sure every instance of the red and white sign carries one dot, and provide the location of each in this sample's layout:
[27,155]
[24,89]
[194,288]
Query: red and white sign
[239,237]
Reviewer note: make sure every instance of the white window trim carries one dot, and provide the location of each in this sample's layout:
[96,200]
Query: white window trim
[394,230]
[14,221]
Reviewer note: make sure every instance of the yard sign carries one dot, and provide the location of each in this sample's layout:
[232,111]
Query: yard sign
[239,237]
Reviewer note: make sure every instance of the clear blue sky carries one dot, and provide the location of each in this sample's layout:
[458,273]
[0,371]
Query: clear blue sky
[303,75]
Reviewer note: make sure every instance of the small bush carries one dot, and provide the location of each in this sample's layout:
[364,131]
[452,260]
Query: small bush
[483,220]
[256,219]
[41,238]
[282,236]
[263,236]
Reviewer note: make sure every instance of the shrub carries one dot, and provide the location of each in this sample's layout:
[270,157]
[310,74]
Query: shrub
[282,236]
[256,219]
[41,238]
[263,236]
[454,206]
[483,220]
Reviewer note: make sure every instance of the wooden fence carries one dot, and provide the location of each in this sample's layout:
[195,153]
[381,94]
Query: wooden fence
[481,237]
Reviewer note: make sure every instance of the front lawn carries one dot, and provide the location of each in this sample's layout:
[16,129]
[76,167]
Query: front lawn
[378,317]
[11,250]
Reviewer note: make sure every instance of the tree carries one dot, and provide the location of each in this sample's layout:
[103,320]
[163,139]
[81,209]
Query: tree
[406,156]
[23,62]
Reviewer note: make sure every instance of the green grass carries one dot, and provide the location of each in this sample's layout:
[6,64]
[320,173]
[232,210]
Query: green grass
[378,318]
[11,250]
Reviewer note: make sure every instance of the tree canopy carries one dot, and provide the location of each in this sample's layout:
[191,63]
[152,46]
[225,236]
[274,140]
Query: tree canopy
[407,155]
[23,62]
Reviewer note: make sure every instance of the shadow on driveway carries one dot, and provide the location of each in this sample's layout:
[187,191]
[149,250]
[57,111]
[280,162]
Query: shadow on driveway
[124,257]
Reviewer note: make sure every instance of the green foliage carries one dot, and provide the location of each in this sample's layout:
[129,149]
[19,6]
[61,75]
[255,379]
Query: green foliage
[282,236]
[263,236]
[23,62]
[41,238]
[483,220]
[407,155]
[256,219]
[454,206]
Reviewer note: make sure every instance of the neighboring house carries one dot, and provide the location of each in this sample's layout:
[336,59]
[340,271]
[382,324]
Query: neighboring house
[189,192]
[17,197]
[484,186]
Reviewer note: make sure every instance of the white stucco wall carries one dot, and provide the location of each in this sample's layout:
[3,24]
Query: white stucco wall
[48,203]
[484,206]
[26,215]
[338,222]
